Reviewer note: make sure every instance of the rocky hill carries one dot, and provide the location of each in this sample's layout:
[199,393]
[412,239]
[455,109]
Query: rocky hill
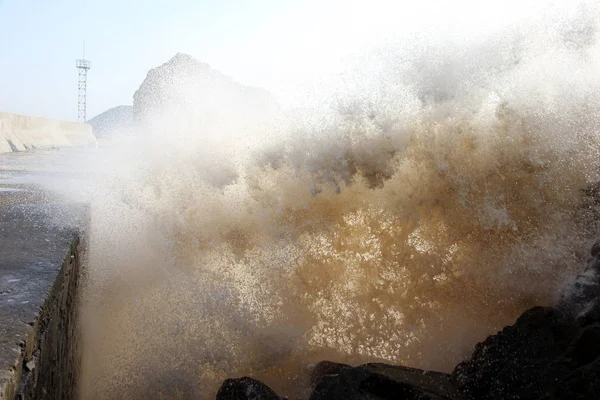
[115,121]
[186,89]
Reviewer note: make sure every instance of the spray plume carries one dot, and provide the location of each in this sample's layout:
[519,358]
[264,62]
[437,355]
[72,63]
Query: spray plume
[439,194]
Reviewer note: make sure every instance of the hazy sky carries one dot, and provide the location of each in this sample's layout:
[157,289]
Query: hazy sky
[276,44]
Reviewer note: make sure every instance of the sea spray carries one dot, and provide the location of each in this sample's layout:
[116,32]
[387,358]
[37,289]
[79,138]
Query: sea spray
[436,197]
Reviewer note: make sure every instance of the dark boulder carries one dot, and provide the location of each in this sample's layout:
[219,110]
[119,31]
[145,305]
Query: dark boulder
[381,381]
[323,369]
[519,362]
[550,353]
[246,389]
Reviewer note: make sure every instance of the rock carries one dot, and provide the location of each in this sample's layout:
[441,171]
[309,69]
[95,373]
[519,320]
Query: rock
[547,350]
[581,297]
[550,353]
[520,361]
[382,381]
[30,365]
[323,369]
[246,389]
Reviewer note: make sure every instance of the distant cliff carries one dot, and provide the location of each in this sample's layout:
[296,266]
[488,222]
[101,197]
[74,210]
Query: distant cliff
[115,121]
[189,90]
[21,133]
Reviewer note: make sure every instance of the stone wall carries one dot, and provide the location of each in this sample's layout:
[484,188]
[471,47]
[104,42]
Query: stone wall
[55,355]
[20,133]
[40,267]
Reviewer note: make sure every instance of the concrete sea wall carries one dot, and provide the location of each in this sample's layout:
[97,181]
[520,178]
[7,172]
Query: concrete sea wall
[21,133]
[40,267]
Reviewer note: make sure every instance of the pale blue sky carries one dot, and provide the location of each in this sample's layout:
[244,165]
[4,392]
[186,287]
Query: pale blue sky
[40,40]
[276,44]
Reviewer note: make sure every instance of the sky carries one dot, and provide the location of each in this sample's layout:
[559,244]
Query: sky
[279,45]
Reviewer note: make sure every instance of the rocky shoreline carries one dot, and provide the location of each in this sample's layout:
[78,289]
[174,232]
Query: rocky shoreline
[549,353]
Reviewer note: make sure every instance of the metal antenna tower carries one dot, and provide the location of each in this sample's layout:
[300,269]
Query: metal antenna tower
[83,66]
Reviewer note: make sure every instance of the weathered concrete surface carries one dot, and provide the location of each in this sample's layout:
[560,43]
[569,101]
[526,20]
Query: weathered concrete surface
[20,133]
[39,272]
